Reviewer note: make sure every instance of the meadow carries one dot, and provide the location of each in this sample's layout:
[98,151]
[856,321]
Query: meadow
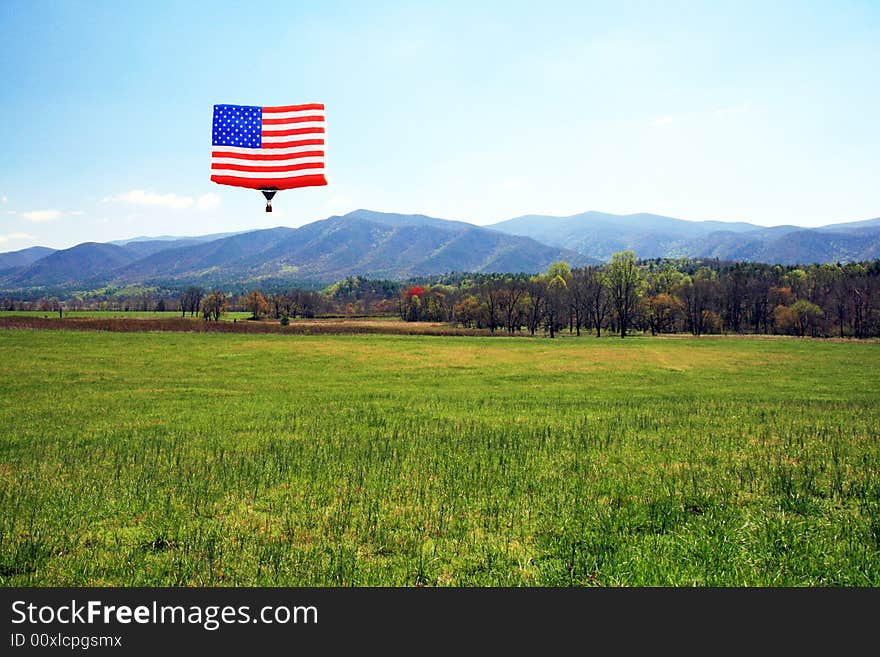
[147,459]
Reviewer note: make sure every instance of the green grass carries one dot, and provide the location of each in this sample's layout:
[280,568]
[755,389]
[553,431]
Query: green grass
[207,459]
[117,314]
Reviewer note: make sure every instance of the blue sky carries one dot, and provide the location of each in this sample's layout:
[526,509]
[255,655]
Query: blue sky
[761,112]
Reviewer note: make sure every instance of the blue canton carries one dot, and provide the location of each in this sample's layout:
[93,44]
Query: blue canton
[238,125]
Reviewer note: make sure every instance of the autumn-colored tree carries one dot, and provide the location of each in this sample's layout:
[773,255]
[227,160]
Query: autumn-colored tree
[412,303]
[711,322]
[784,319]
[780,296]
[468,312]
[257,304]
[213,305]
[661,312]
[383,307]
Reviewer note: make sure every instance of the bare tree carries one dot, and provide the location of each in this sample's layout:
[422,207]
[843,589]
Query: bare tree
[535,303]
[511,293]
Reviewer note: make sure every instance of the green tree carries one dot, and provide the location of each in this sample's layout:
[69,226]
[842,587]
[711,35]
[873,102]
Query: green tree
[807,315]
[624,286]
[796,279]
[559,268]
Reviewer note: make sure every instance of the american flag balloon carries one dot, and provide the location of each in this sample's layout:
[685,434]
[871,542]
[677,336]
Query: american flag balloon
[268,148]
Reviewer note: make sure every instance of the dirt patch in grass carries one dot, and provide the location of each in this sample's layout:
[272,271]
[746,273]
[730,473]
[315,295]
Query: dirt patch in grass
[299,327]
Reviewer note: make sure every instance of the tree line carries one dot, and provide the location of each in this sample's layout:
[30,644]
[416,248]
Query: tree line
[650,296]
[661,296]
[285,305]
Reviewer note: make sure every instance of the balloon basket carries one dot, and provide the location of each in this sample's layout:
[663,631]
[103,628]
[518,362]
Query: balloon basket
[269,193]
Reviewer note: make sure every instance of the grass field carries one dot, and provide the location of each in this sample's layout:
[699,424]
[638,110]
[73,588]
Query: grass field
[225,459]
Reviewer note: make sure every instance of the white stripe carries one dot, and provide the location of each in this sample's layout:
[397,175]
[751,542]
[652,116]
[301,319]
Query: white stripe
[267,163]
[267,174]
[290,126]
[270,138]
[292,115]
[273,151]
[286,138]
[302,125]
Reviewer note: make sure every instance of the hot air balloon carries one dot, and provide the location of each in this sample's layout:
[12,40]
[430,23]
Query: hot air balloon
[268,148]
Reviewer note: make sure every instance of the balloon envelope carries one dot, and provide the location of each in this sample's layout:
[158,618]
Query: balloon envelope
[279,147]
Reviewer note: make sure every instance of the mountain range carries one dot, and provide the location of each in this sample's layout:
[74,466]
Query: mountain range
[599,235]
[399,246]
[374,244]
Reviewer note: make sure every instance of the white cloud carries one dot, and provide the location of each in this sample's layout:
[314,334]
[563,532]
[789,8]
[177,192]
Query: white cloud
[208,201]
[77,213]
[15,236]
[42,215]
[152,199]
[3,200]
[170,200]
[661,121]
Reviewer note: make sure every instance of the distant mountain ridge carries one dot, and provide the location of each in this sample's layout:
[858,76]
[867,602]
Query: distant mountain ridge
[174,238]
[399,246]
[365,243]
[23,257]
[599,235]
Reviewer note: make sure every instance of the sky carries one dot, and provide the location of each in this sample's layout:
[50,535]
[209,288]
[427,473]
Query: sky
[475,111]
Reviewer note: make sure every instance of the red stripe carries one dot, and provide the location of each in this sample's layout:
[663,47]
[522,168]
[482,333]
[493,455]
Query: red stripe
[286,144]
[293,108]
[267,156]
[267,168]
[300,142]
[299,119]
[271,183]
[292,131]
